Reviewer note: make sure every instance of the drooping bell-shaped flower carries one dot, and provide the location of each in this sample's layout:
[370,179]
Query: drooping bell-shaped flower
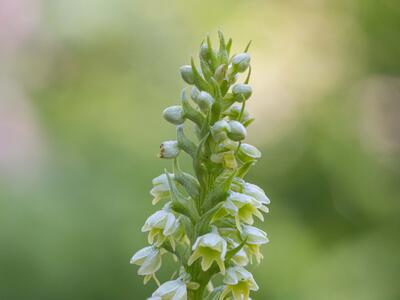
[240,258]
[171,290]
[160,188]
[161,225]
[254,237]
[242,207]
[210,247]
[257,193]
[252,190]
[149,260]
[239,282]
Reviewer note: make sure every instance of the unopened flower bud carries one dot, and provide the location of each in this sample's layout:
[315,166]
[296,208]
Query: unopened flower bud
[169,149]
[241,92]
[248,153]
[220,73]
[234,111]
[237,132]
[219,130]
[194,93]
[241,62]
[204,53]
[187,74]
[204,101]
[174,114]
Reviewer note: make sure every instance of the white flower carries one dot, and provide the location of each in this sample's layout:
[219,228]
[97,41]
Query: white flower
[149,260]
[254,236]
[240,258]
[160,188]
[239,282]
[254,239]
[242,207]
[169,149]
[171,290]
[210,247]
[258,194]
[161,225]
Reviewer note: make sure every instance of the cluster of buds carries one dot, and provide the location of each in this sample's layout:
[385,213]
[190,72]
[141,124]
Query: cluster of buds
[207,219]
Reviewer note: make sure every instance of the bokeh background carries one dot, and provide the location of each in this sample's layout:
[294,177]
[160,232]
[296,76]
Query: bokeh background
[82,88]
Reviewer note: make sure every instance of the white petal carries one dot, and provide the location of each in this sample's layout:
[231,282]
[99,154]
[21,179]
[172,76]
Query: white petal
[181,293]
[141,255]
[151,264]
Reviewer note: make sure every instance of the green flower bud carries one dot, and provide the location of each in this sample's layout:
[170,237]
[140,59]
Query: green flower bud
[234,111]
[219,130]
[187,74]
[174,114]
[204,101]
[220,72]
[241,62]
[237,132]
[169,149]
[231,75]
[248,153]
[241,92]
[204,53]
[194,93]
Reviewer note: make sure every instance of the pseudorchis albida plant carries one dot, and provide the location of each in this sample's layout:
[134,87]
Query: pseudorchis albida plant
[206,220]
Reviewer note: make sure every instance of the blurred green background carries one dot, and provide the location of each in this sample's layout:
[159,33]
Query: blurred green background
[82,88]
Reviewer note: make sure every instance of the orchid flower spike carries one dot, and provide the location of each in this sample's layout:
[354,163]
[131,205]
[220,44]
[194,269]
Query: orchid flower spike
[209,217]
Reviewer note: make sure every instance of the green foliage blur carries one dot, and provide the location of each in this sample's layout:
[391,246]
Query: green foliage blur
[82,88]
